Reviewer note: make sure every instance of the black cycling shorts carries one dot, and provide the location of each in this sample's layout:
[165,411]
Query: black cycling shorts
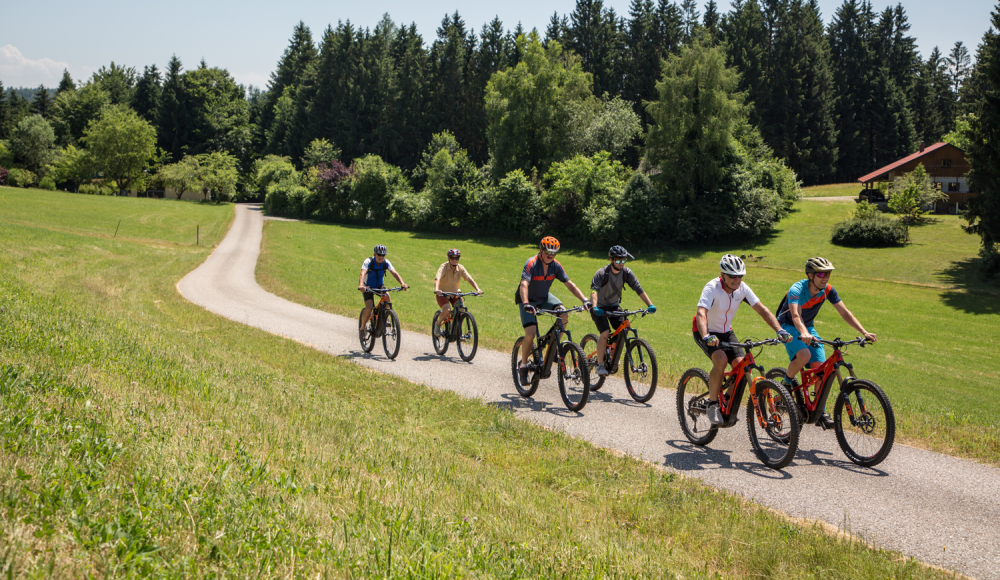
[607,323]
[731,353]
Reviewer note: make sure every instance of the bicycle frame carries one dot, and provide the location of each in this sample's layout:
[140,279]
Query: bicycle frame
[456,308]
[618,340]
[550,340]
[819,378]
[383,304]
[730,399]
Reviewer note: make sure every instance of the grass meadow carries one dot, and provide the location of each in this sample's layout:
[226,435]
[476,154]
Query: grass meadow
[833,190]
[143,436]
[924,301]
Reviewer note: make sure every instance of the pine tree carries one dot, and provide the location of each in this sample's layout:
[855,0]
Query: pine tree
[146,96]
[643,56]
[291,67]
[66,83]
[556,29]
[411,59]
[669,28]
[5,124]
[959,65]
[691,17]
[173,125]
[42,103]
[849,35]
[747,48]
[448,65]
[712,18]
[595,37]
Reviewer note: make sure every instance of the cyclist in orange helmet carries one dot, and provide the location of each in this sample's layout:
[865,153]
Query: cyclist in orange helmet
[533,292]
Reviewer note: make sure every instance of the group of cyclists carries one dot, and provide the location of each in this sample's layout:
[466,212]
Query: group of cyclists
[711,327]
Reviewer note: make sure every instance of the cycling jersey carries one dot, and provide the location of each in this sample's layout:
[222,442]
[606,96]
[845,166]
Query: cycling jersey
[449,280]
[540,281]
[609,285]
[376,272]
[810,304]
[722,305]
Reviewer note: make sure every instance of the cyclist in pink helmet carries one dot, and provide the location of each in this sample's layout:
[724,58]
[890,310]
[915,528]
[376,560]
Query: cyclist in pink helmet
[448,279]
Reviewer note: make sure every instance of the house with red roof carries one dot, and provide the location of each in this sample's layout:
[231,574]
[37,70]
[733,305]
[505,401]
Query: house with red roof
[946,166]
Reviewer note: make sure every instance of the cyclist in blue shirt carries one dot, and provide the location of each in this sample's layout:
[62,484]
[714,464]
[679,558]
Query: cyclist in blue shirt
[798,310]
[373,276]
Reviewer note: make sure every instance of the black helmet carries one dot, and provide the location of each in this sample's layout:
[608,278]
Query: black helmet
[619,252]
[380,250]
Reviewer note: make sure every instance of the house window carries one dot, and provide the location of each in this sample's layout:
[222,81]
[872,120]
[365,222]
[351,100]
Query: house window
[953,186]
[946,163]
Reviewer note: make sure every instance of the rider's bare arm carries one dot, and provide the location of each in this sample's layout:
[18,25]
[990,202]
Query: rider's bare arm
[701,319]
[849,318]
[645,299]
[361,280]
[768,317]
[796,312]
[398,278]
[523,289]
[575,291]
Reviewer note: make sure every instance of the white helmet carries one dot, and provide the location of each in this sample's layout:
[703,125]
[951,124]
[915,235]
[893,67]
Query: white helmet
[732,265]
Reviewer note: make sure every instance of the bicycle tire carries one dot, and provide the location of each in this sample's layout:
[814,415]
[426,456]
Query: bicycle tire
[574,376]
[778,439]
[778,373]
[529,389]
[440,342]
[468,336]
[875,430]
[692,390]
[637,371]
[392,334]
[367,339]
[590,342]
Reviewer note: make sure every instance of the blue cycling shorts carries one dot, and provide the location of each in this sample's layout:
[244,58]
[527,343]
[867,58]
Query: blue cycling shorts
[817,353]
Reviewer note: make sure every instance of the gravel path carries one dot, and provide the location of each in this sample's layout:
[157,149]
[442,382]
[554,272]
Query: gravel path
[938,509]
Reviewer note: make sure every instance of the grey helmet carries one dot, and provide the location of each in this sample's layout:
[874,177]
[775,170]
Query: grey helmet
[818,264]
[732,265]
[380,250]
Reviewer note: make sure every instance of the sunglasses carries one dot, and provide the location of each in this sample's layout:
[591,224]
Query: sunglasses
[550,254]
[822,274]
[619,261]
[740,277]
[456,259]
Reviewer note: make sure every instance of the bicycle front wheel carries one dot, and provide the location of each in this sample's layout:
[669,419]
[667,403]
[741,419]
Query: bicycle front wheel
[773,424]
[391,334]
[867,430]
[692,407]
[589,346]
[437,337]
[529,387]
[574,376]
[468,336]
[640,370]
[367,334]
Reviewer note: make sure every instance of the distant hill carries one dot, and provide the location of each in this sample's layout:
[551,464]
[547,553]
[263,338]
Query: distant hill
[29,93]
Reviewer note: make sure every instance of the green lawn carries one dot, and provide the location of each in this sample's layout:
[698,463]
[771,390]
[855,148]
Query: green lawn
[922,300]
[143,436]
[833,190]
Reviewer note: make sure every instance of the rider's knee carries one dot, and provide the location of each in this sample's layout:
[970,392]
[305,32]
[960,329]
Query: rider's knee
[605,335]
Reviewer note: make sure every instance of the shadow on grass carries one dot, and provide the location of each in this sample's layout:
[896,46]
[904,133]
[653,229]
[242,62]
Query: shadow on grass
[974,296]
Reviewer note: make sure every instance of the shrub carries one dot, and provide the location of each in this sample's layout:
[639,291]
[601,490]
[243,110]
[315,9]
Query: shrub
[21,178]
[375,185]
[3,176]
[865,210]
[47,183]
[331,180]
[410,210]
[873,232]
[96,189]
[911,193]
[512,207]
[639,212]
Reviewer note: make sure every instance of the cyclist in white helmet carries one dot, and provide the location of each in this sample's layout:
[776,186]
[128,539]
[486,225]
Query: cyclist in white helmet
[720,299]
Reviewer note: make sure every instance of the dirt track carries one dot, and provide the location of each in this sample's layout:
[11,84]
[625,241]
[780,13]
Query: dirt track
[935,508]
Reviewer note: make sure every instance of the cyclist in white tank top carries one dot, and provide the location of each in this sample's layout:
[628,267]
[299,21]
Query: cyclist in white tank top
[713,322]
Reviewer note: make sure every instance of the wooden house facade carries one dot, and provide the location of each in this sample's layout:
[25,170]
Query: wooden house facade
[945,164]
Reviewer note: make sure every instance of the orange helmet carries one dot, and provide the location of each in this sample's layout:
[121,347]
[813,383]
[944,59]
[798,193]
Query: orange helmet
[550,244]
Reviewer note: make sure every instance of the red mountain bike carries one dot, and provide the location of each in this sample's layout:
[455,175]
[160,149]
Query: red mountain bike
[772,422]
[867,430]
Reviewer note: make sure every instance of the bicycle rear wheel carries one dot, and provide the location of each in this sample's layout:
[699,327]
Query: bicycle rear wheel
[574,376]
[640,370]
[391,334]
[867,430]
[440,342]
[773,424]
[468,336]
[692,407]
[589,346]
[366,335]
[534,364]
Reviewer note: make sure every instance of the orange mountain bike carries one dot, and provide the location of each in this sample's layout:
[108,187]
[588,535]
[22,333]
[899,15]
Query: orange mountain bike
[772,422]
[867,430]
[640,361]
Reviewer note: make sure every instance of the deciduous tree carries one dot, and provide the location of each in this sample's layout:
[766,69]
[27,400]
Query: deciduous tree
[122,145]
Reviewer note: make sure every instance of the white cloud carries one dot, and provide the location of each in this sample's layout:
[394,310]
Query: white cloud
[16,70]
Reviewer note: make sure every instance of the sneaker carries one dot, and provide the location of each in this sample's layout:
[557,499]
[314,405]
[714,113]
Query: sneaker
[825,421]
[363,333]
[522,374]
[714,413]
[602,371]
[791,383]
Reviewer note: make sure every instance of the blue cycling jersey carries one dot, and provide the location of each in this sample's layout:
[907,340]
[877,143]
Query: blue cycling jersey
[376,272]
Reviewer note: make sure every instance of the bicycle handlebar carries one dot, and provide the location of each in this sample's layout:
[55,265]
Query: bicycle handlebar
[837,343]
[383,290]
[459,294]
[559,312]
[748,345]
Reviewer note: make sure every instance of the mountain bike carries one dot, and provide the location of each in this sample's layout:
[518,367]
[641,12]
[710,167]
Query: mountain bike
[573,372]
[460,329]
[640,361]
[867,430]
[772,423]
[383,322]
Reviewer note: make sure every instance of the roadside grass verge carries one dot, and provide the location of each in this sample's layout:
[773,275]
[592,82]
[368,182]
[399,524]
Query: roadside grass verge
[143,436]
[923,300]
[833,190]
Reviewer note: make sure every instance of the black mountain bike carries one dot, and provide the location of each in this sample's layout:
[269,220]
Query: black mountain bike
[640,362]
[383,322]
[573,372]
[460,329]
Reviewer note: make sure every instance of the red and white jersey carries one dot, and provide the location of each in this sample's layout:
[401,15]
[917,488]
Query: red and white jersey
[722,305]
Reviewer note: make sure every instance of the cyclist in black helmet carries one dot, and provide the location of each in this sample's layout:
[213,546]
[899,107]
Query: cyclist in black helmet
[372,276]
[606,296]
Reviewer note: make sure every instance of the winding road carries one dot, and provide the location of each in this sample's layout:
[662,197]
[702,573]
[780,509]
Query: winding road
[938,509]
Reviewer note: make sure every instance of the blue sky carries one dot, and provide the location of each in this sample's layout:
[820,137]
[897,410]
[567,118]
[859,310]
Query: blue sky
[38,39]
